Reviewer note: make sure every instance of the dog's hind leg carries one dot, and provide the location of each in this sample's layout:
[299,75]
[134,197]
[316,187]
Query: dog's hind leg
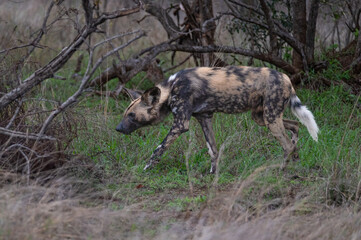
[257,116]
[206,123]
[293,127]
[278,131]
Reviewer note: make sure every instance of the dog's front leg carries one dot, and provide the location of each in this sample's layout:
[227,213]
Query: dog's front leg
[179,127]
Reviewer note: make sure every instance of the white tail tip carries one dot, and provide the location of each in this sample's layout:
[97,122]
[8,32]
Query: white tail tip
[305,116]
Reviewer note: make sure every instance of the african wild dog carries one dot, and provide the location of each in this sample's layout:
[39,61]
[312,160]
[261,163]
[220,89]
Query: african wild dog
[199,92]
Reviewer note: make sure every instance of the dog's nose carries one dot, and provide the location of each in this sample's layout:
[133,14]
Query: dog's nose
[119,128]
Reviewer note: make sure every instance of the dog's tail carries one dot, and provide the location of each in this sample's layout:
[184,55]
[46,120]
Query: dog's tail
[305,116]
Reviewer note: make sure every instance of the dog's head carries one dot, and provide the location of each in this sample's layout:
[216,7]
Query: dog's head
[143,110]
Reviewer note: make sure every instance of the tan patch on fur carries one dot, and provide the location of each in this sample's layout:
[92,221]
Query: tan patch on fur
[230,84]
[164,94]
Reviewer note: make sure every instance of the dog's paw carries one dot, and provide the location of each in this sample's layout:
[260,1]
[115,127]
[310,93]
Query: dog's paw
[152,162]
[148,166]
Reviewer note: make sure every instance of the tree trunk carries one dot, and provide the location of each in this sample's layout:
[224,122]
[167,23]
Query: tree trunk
[299,29]
[311,30]
[208,30]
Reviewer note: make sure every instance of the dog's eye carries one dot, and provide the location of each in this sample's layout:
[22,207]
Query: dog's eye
[131,115]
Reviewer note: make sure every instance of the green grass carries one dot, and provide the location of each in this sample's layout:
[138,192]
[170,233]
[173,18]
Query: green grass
[247,147]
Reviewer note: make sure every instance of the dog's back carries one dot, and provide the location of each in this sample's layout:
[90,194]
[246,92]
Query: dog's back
[231,89]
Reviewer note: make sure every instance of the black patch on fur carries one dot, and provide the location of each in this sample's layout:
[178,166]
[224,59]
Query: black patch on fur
[296,104]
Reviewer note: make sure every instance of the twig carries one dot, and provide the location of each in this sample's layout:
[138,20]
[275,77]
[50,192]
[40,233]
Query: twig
[31,136]
[249,7]
[116,14]
[275,60]
[41,33]
[20,103]
[114,37]
[21,46]
[181,63]
[17,145]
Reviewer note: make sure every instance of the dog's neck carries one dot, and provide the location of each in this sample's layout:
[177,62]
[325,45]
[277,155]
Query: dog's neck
[164,94]
[163,105]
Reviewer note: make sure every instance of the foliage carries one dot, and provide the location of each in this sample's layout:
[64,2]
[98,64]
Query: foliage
[256,35]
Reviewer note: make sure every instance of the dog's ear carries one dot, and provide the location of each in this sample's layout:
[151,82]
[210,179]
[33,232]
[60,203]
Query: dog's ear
[133,94]
[151,96]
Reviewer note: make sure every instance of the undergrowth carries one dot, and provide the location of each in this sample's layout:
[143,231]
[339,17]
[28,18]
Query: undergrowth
[330,167]
[113,191]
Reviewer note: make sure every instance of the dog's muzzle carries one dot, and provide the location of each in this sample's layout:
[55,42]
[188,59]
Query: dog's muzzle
[126,130]
[120,128]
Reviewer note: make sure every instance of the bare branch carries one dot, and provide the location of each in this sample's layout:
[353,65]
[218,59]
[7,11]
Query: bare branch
[20,103]
[114,37]
[18,47]
[31,136]
[246,19]
[42,31]
[153,7]
[249,7]
[135,64]
[45,72]
[87,76]
[54,65]
[116,14]
[179,64]
[278,62]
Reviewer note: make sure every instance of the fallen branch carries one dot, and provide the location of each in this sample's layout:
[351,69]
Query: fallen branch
[31,136]
[135,65]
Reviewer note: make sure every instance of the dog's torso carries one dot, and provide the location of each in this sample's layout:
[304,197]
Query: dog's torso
[229,90]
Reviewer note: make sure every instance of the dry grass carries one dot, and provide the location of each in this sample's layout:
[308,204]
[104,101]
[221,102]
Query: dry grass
[68,208]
